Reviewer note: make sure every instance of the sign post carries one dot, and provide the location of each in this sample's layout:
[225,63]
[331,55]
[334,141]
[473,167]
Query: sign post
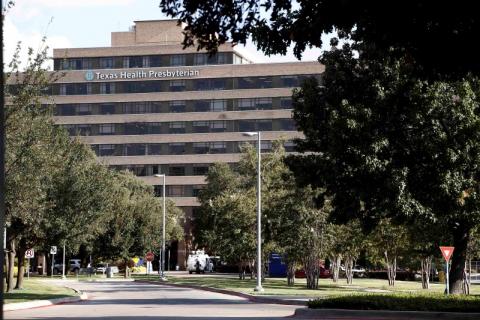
[53,252]
[149,257]
[447,254]
[30,253]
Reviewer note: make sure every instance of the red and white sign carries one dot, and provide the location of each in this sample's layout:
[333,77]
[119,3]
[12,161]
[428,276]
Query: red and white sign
[149,256]
[447,252]
[30,253]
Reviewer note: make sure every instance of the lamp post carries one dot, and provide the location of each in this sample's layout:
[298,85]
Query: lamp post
[259,287]
[162,257]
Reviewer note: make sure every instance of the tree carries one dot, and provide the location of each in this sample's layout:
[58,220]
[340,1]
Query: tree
[428,33]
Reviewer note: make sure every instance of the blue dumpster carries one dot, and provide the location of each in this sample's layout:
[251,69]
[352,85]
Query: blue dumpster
[277,268]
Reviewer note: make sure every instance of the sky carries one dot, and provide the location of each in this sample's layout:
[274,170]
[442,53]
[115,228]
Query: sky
[88,23]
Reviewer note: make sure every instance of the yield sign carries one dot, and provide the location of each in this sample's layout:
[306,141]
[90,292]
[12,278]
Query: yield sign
[447,252]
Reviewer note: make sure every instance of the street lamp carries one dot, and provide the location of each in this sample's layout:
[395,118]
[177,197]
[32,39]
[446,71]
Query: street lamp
[259,211]
[162,257]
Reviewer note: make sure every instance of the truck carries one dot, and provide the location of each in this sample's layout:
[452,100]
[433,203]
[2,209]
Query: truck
[199,262]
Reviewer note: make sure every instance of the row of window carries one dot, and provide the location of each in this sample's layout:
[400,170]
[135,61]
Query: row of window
[180,127]
[178,191]
[173,106]
[176,85]
[179,148]
[148,61]
[143,170]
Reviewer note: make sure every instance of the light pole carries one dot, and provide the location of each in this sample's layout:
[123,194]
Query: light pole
[259,210]
[162,257]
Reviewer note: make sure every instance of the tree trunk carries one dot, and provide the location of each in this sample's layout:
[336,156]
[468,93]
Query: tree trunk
[426,266]
[11,265]
[241,271]
[291,273]
[460,242]
[391,269]
[311,271]
[349,262]
[336,260]
[21,266]
[466,284]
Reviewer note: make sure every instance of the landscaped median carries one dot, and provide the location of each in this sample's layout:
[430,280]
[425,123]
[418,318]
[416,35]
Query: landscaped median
[38,293]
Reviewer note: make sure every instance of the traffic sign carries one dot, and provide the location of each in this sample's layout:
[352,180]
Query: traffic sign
[53,250]
[447,252]
[149,256]
[30,253]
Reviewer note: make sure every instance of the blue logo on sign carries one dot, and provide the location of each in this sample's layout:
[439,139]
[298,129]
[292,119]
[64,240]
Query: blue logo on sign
[89,75]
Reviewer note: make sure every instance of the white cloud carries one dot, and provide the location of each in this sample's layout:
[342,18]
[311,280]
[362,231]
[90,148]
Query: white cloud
[29,39]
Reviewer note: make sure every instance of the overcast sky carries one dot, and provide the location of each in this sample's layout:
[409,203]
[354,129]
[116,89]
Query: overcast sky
[88,23]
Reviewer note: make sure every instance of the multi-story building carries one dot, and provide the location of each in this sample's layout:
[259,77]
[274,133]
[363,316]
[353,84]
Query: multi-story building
[147,105]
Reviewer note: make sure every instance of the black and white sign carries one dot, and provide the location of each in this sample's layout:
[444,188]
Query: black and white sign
[53,250]
[30,253]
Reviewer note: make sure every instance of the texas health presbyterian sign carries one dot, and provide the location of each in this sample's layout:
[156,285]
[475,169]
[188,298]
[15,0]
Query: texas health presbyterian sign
[141,74]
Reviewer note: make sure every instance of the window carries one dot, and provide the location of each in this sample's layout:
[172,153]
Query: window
[107,88]
[65,109]
[135,62]
[106,150]
[200,59]
[154,128]
[264,82]
[246,104]
[105,129]
[84,109]
[289,81]
[196,190]
[264,125]
[264,103]
[176,148]
[176,171]
[155,61]
[246,83]
[134,149]
[246,125]
[138,170]
[200,170]
[177,85]
[87,63]
[286,103]
[177,60]
[200,147]
[106,63]
[287,124]
[177,127]
[201,126]
[106,109]
[155,149]
[218,147]
[135,128]
[289,146]
[84,129]
[177,106]
[218,105]
[222,58]
[218,126]
[202,106]
[175,191]
[266,145]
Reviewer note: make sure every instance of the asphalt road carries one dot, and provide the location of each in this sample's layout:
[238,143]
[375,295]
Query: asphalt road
[129,300]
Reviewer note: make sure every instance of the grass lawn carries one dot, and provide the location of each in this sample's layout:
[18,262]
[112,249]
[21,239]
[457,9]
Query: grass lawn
[278,286]
[35,289]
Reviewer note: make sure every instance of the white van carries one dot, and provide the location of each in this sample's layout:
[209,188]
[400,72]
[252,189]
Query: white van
[198,262]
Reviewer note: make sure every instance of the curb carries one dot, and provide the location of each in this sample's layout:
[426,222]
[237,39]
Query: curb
[306,313]
[44,303]
[258,299]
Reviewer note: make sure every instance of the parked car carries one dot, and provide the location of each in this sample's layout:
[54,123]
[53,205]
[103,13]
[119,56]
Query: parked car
[358,271]
[102,268]
[324,273]
[74,266]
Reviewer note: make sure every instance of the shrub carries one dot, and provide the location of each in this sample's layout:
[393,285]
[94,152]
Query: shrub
[400,302]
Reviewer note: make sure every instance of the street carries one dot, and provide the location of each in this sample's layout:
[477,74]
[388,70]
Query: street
[127,300]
